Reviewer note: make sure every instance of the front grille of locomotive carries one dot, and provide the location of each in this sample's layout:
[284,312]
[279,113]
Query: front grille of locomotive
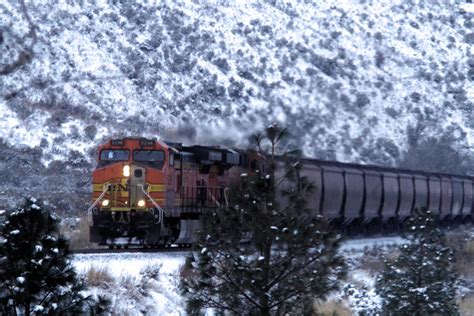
[127,193]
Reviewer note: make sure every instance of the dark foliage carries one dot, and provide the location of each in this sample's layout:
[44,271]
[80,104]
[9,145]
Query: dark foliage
[434,154]
[421,281]
[36,275]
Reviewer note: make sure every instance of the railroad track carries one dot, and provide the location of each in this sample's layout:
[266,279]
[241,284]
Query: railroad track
[383,238]
[130,249]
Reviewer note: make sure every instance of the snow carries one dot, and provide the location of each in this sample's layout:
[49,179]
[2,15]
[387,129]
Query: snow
[129,263]
[85,42]
[468,7]
[359,291]
[364,243]
[20,280]
[135,270]
[51,238]
[38,309]
[362,300]
[88,64]
[163,296]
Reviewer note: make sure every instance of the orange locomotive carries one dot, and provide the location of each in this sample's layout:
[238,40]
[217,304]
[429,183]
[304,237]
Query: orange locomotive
[153,192]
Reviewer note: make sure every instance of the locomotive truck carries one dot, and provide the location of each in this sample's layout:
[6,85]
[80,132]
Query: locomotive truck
[153,192]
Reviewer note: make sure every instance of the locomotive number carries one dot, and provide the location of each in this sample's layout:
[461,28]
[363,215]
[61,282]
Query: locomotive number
[118,187]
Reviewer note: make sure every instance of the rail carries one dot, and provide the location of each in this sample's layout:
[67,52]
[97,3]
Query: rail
[130,249]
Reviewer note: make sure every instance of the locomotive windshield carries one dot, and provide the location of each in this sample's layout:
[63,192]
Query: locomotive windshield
[149,155]
[114,155]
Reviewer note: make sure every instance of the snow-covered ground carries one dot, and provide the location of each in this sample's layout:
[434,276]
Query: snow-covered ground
[360,244]
[131,264]
[135,283]
[147,283]
[130,272]
[358,293]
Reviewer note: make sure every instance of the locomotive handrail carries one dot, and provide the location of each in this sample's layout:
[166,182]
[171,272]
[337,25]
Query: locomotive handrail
[89,210]
[215,200]
[160,210]
[225,197]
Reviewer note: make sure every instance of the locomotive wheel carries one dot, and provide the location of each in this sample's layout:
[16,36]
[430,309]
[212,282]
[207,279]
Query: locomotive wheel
[174,226]
[103,240]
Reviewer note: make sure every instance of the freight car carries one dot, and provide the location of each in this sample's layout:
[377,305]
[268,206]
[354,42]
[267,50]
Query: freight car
[152,192]
[377,198]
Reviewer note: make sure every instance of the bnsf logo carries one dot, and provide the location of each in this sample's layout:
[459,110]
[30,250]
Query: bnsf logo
[117,187]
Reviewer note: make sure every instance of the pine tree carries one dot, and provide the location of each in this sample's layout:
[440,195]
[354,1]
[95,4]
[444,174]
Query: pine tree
[36,275]
[422,280]
[265,252]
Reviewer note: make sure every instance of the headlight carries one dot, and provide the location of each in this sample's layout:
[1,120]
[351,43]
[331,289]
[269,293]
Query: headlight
[105,202]
[126,171]
[141,203]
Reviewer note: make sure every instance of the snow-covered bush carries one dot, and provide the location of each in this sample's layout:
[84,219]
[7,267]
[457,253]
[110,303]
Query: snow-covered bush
[362,300]
[423,278]
[35,270]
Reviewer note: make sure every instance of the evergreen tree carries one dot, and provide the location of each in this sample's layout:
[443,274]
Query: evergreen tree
[265,252]
[421,281]
[36,275]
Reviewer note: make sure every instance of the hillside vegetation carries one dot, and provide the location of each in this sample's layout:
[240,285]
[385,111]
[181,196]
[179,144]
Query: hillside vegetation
[382,82]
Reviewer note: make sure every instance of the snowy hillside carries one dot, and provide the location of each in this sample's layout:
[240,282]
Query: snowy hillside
[384,82]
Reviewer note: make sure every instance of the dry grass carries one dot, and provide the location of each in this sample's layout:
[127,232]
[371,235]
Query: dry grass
[127,282]
[122,291]
[187,272]
[465,259]
[373,259]
[332,308]
[99,277]
[466,306]
[372,265]
[151,272]
[79,235]
[463,245]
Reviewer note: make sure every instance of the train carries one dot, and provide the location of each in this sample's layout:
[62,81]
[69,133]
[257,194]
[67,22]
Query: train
[151,192]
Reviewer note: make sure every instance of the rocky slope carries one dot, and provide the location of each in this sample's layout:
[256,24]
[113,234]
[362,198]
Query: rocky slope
[383,82]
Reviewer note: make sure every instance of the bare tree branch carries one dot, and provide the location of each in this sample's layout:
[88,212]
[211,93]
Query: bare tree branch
[27,54]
